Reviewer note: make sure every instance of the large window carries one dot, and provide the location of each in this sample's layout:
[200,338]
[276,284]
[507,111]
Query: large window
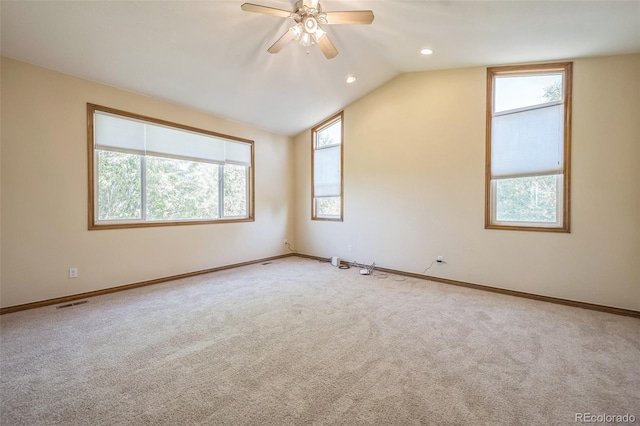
[147,172]
[528,147]
[326,139]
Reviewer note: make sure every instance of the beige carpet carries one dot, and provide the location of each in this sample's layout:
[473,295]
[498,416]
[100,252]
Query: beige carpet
[301,342]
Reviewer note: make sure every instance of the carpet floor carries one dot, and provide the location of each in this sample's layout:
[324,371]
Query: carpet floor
[296,341]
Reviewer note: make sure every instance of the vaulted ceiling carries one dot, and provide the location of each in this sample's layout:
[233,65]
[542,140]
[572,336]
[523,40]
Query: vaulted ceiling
[212,56]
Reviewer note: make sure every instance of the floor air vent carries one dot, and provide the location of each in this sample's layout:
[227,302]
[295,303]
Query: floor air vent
[68,305]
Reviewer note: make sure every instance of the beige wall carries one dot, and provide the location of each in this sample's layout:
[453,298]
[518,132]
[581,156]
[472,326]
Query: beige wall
[44,195]
[414,188]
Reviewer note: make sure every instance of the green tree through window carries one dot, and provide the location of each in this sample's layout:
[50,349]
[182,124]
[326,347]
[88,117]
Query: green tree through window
[119,186]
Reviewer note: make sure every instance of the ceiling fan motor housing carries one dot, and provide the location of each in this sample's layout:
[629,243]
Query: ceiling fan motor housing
[309,16]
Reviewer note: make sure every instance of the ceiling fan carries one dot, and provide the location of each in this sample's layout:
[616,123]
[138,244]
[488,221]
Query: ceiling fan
[308,16]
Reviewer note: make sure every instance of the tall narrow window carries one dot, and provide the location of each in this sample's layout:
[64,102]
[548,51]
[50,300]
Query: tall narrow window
[528,147]
[147,172]
[326,139]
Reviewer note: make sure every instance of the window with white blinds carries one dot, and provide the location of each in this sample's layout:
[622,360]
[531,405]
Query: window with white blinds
[147,172]
[327,143]
[528,147]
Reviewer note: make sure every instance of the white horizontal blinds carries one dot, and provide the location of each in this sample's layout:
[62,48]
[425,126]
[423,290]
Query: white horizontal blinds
[327,160]
[175,143]
[237,153]
[527,125]
[326,172]
[528,143]
[115,133]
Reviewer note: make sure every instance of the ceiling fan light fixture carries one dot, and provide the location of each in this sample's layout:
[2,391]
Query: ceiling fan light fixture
[351,79]
[305,39]
[426,51]
[297,31]
[310,24]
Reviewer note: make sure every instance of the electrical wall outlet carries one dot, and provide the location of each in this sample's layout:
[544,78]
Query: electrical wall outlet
[73,273]
[285,241]
[349,248]
[440,259]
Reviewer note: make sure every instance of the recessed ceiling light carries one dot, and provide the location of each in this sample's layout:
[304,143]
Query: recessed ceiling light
[426,51]
[351,79]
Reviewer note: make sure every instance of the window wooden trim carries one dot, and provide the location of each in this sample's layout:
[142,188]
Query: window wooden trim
[92,225]
[567,69]
[337,117]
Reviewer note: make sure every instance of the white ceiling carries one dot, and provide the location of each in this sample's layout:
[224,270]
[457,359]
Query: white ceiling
[212,56]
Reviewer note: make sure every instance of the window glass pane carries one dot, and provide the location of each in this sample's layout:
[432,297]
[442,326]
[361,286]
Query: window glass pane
[119,186]
[148,172]
[328,207]
[330,135]
[181,190]
[528,147]
[235,190]
[326,176]
[529,199]
[513,92]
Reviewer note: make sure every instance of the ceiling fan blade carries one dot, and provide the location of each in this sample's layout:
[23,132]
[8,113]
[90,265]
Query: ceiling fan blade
[324,43]
[351,17]
[282,41]
[249,7]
